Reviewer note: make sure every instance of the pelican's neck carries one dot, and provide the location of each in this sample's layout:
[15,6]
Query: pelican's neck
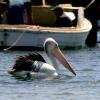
[49,45]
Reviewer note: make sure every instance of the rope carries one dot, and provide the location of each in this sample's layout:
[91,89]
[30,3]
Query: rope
[90,4]
[14,43]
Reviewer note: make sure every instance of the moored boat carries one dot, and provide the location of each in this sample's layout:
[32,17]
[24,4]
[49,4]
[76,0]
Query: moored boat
[34,35]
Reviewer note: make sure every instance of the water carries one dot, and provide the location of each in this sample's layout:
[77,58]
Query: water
[84,86]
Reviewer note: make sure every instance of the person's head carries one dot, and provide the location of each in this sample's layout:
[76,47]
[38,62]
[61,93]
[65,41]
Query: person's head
[58,11]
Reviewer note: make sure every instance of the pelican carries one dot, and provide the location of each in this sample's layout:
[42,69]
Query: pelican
[38,68]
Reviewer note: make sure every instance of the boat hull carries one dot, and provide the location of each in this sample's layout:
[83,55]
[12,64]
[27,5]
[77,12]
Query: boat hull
[34,36]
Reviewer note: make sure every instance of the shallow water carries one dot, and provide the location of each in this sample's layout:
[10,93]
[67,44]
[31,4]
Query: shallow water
[84,86]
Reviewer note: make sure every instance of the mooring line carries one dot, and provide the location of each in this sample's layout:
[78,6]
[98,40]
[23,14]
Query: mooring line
[15,42]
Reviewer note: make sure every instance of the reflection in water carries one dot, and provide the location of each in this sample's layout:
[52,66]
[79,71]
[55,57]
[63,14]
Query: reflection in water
[84,86]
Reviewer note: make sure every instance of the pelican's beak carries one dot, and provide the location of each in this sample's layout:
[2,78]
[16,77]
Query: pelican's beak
[59,55]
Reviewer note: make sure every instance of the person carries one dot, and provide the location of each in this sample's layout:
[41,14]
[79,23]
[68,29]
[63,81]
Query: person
[15,11]
[28,10]
[3,7]
[63,20]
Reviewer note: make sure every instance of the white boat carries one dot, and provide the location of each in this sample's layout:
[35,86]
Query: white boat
[34,35]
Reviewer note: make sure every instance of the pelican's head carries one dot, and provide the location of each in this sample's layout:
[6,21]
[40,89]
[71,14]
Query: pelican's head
[50,45]
[52,49]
